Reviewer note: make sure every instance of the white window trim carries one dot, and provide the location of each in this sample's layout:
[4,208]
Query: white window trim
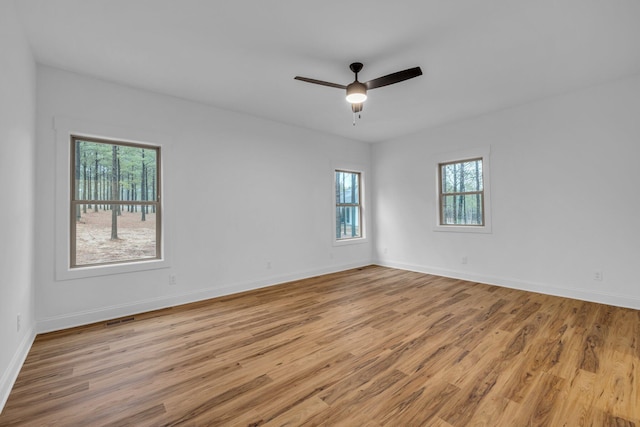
[65,127]
[350,167]
[485,154]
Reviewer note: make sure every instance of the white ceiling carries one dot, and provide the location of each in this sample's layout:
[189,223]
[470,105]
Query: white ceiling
[477,56]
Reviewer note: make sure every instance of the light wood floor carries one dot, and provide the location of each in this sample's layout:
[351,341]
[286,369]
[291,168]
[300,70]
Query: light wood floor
[365,347]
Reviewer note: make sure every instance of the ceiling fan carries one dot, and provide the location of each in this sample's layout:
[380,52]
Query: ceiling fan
[357,91]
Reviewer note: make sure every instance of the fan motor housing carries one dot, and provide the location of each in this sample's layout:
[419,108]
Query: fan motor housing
[356,92]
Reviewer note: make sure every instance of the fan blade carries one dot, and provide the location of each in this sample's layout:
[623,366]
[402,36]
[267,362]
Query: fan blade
[320,82]
[392,78]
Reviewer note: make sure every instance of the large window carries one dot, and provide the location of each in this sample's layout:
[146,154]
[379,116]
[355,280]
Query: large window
[461,197]
[348,205]
[115,211]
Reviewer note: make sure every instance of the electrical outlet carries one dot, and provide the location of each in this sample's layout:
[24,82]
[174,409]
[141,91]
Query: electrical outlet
[268,265]
[464,260]
[597,276]
[173,281]
[18,321]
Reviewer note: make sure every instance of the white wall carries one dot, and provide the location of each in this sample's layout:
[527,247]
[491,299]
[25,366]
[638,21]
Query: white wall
[17,120]
[240,192]
[564,182]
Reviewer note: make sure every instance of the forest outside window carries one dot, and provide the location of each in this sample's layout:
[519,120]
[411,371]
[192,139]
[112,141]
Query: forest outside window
[348,205]
[115,212]
[461,197]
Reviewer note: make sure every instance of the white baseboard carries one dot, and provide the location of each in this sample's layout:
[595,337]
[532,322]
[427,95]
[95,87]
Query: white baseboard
[567,292]
[106,313]
[10,375]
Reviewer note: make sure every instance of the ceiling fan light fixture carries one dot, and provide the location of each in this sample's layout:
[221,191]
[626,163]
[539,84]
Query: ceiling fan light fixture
[356,92]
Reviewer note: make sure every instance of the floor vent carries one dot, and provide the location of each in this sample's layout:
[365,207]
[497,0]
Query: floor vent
[120,321]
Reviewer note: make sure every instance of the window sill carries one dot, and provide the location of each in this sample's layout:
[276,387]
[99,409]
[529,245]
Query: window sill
[353,241]
[485,229]
[109,269]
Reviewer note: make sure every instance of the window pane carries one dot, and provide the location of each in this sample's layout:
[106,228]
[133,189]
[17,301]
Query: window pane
[98,166]
[347,187]
[134,232]
[462,209]
[462,177]
[347,222]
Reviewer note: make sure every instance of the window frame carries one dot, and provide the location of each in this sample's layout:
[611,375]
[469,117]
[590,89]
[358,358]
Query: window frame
[63,128]
[358,204]
[462,156]
[79,202]
[442,194]
[360,170]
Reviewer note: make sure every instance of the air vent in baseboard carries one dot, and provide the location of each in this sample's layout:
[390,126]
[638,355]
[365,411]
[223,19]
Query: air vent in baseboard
[120,321]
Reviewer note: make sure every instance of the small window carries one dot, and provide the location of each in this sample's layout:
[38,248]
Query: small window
[348,205]
[461,193]
[115,202]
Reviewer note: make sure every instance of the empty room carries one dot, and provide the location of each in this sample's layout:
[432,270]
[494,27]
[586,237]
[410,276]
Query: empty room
[292,213]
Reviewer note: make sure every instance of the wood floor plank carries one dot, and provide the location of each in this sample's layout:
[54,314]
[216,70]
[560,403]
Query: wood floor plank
[371,346]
